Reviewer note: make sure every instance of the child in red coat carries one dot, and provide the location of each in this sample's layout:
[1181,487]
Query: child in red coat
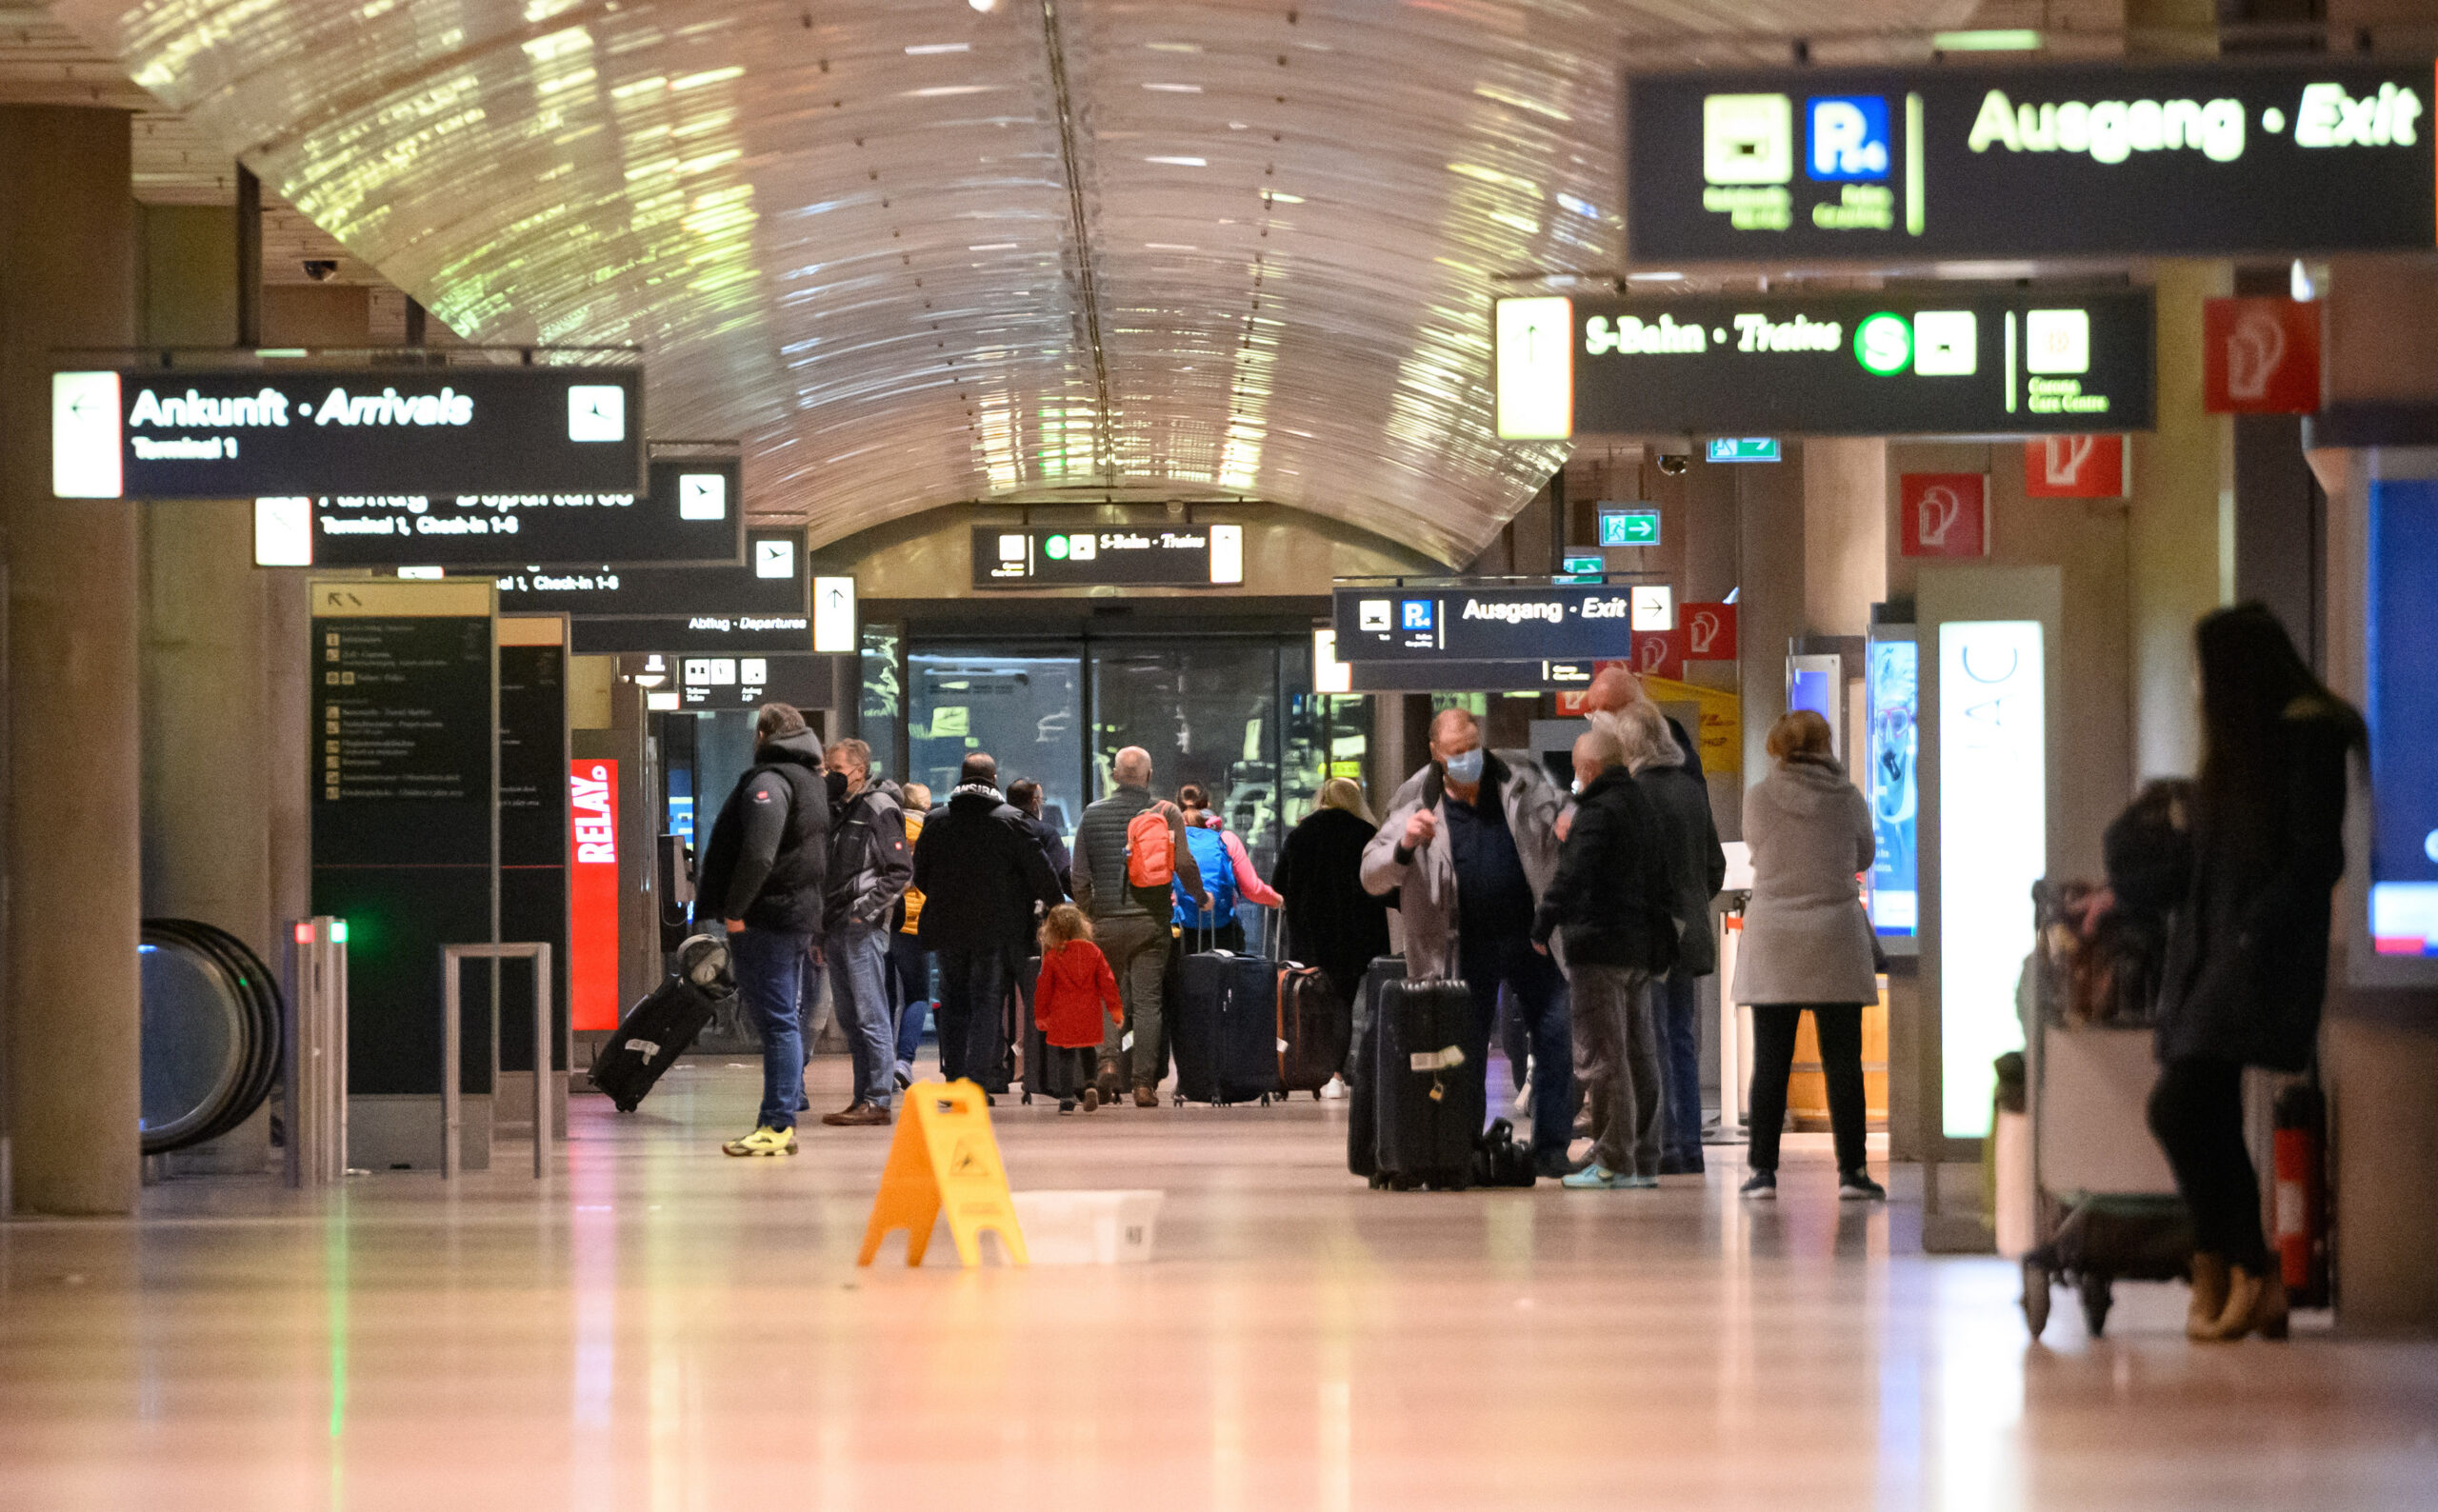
[1076,989]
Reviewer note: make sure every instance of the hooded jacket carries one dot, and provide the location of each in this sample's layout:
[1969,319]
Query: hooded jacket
[870,860]
[767,857]
[1806,937]
[1610,895]
[1075,994]
[1333,923]
[1425,880]
[981,873]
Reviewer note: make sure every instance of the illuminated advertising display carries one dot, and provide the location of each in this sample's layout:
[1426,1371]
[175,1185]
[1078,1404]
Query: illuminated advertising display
[593,894]
[2400,646]
[2298,155]
[1893,675]
[1954,359]
[1993,845]
[296,431]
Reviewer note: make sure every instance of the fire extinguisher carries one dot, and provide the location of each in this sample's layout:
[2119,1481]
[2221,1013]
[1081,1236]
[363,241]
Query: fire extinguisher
[2300,1120]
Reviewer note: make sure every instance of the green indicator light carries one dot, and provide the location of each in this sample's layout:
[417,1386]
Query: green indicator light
[338,931]
[1055,548]
[1884,343]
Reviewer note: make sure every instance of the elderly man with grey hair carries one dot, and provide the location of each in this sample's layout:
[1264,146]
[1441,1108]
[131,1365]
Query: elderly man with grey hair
[1607,907]
[1132,922]
[1469,845]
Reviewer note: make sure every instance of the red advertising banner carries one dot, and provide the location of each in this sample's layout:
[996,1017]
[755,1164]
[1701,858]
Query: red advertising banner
[1710,631]
[592,895]
[2260,357]
[1944,513]
[2074,468]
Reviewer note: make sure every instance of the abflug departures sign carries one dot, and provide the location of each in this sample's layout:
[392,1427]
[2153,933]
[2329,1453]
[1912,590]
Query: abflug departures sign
[1964,360]
[692,512]
[290,432]
[1483,625]
[2314,154]
[764,605]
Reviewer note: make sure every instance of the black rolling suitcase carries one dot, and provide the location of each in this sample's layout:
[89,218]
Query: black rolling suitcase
[1427,1103]
[1362,1079]
[1223,1026]
[657,1030]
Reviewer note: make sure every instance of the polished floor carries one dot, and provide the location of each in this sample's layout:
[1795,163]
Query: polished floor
[664,1328]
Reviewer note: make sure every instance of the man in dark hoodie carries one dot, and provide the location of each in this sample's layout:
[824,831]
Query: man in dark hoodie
[869,866]
[1608,905]
[981,872]
[763,872]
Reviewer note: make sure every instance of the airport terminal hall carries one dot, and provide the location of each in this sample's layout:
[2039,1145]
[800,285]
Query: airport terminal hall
[1209,755]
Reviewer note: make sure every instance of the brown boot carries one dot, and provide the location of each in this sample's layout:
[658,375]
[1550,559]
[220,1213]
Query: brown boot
[1108,1081]
[1091,1099]
[2208,1296]
[2244,1302]
[1147,1096]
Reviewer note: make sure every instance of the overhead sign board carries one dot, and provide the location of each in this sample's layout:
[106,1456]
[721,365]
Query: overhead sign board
[287,432]
[1962,359]
[772,579]
[1470,677]
[1629,527]
[2310,154]
[749,682]
[1744,449]
[1562,621]
[1124,556]
[692,512]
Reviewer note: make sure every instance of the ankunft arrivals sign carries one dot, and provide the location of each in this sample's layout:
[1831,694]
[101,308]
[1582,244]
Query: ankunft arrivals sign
[1567,622]
[2306,155]
[1959,359]
[280,431]
[692,513]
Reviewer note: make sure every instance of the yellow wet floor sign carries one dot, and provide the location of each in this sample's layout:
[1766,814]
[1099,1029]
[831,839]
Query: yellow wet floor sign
[944,1157]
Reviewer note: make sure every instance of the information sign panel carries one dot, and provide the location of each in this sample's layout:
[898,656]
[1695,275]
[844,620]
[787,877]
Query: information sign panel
[1562,621]
[282,431]
[2291,156]
[1126,556]
[693,513]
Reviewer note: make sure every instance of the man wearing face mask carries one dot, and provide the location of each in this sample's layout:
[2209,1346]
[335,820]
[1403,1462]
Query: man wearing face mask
[1469,845]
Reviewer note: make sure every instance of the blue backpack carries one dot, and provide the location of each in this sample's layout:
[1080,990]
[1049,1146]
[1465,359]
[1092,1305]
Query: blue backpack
[1209,849]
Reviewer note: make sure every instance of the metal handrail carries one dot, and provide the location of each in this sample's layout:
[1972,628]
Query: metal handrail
[452,1047]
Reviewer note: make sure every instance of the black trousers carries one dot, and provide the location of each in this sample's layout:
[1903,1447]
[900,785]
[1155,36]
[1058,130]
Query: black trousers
[2197,1112]
[1839,1027]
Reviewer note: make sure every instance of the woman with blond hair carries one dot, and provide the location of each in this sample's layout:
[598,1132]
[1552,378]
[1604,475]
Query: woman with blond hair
[1807,944]
[1331,922]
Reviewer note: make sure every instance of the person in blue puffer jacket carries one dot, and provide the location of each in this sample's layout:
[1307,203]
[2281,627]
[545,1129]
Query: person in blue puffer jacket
[1227,871]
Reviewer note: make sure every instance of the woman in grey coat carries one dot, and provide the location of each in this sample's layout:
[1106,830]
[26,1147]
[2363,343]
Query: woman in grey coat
[1807,943]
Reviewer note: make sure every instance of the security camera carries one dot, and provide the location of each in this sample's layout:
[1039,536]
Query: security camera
[320,269]
[1672,463]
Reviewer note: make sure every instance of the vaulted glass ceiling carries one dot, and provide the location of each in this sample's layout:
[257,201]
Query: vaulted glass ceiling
[916,253]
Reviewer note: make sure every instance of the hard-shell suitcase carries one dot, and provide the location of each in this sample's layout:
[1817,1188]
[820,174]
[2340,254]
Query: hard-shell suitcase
[1224,1028]
[1313,1027]
[1363,1078]
[658,1029]
[1428,1102]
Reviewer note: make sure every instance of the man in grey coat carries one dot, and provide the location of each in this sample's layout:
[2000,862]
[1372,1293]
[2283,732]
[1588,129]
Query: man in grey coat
[1469,845]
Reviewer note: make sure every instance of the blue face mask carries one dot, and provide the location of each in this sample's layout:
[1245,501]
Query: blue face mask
[1465,766]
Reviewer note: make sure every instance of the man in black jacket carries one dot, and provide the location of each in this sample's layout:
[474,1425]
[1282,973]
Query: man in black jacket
[869,866]
[763,872]
[1608,905]
[981,873]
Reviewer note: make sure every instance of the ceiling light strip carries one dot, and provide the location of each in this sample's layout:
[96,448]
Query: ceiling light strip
[1102,437]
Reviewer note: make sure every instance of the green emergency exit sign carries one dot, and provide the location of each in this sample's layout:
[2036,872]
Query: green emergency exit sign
[1744,449]
[1583,569]
[1629,527]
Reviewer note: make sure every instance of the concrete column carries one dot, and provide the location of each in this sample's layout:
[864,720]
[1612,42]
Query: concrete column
[1844,534]
[1771,608]
[73,742]
[2181,530]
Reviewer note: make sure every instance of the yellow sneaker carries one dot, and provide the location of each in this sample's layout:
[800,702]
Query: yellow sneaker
[763,1141]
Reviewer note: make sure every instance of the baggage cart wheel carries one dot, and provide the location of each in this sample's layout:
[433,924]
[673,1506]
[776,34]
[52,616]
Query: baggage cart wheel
[2097,1294]
[1180,1102]
[1265,1099]
[2035,1297]
[1028,1099]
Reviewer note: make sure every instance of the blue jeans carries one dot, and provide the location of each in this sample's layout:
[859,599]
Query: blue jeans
[1540,1005]
[859,987]
[1676,999]
[769,975]
[918,987]
[973,986]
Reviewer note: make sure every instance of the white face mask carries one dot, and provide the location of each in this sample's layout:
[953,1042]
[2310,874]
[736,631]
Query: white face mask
[1465,766]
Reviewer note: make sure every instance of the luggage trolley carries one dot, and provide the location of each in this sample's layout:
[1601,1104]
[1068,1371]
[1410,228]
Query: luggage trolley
[2104,1204]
